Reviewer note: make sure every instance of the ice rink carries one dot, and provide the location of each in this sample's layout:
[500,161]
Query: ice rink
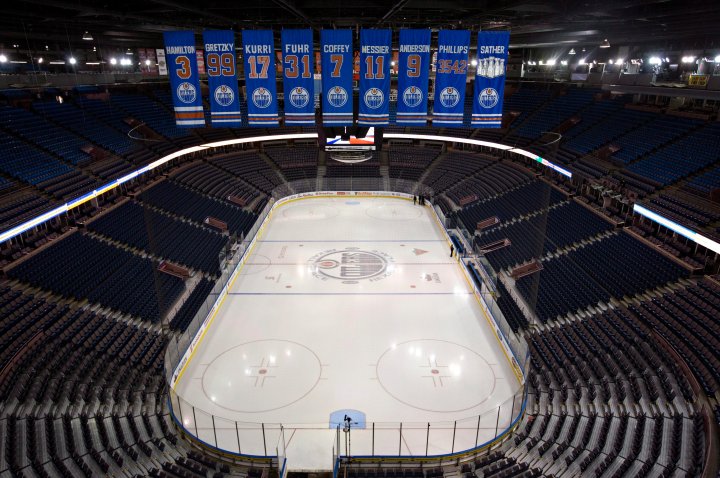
[348,303]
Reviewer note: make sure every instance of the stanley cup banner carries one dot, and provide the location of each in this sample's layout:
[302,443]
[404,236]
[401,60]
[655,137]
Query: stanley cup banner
[222,78]
[259,58]
[297,66]
[490,79]
[374,78]
[450,77]
[337,76]
[414,66]
[184,78]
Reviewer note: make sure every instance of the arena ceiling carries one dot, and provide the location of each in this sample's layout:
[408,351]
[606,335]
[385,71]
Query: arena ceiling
[670,24]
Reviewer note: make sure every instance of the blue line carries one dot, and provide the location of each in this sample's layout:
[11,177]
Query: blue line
[350,293]
[360,240]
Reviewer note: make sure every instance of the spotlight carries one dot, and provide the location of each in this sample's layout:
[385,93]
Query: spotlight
[72,60]
[147,62]
[717,59]
[473,62]
[3,59]
[40,60]
[129,52]
[654,60]
[582,61]
[87,36]
[551,63]
[605,44]
[392,63]
[620,61]
[610,61]
[572,51]
[113,61]
[564,62]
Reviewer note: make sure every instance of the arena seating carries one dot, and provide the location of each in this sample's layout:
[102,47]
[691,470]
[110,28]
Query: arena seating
[652,135]
[496,179]
[454,167]
[511,204]
[693,152]
[178,200]
[616,266]
[192,305]
[163,236]
[555,112]
[83,267]
[298,162]
[146,110]
[215,182]
[251,167]
[22,161]
[707,182]
[44,134]
[407,162]
[543,233]
[609,129]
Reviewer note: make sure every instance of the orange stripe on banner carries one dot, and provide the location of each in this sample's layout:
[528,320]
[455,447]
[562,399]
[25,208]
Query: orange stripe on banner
[188,115]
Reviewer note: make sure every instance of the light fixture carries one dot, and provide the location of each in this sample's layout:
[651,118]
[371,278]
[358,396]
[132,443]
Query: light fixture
[583,50]
[551,62]
[40,60]
[542,62]
[564,62]
[473,62]
[688,59]
[47,48]
[392,63]
[717,59]
[620,61]
[128,52]
[605,44]
[72,60]
[572,51]
[654,60]
[610,61]
[3,59]
[147,62]
[113,61]
[582,61]
[87,36]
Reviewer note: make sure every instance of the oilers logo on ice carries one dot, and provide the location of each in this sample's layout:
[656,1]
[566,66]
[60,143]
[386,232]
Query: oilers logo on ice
[337,96]
[186,92]
[374,98]
[351,265]
[488,98]
[449,97]
[224,96]
[299,97]
[261,97]
[412,96]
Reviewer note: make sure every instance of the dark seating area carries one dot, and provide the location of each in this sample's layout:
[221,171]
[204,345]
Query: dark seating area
[178,200]
[408,162]
[532,196]
[163,236]
[543,233]
[454,167]
[297,162]
[617,266]
[82,267]
[192,305]
[214,182]
[251,167]
[496,179]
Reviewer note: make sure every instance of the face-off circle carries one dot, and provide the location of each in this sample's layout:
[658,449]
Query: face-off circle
[435,375]
[268,375]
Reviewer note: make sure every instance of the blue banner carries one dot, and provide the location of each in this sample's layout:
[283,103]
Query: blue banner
[374,77]
[413,71]
[184,78]
[337,76]
[260,88]
[222,78]
[450,77]
[490,79]
[298,61]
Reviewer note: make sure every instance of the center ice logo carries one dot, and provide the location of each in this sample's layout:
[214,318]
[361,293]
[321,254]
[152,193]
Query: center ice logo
[351,265]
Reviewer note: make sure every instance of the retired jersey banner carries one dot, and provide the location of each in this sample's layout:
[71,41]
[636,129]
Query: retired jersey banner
[490,79]
[297,64]
[222,78]
[259,61]
[184,78]
[337,77]
[374,77]
[450,77]
[414,65]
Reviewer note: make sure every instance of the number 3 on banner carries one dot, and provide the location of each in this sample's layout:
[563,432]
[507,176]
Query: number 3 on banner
[264,62]
[220,65]
[183,71]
